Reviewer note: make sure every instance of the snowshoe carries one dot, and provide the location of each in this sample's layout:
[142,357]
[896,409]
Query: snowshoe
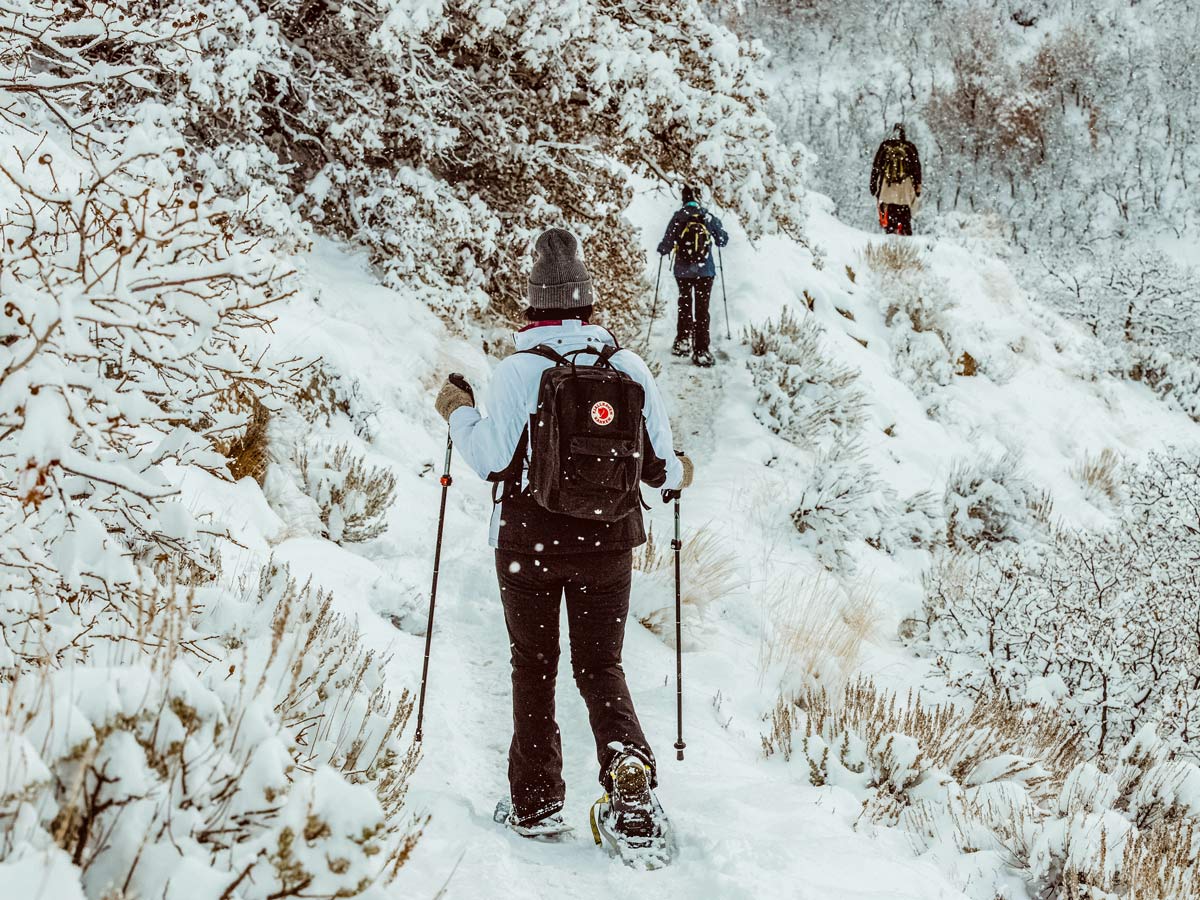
[548,828]
[703,359]
[681,347]
[629,821]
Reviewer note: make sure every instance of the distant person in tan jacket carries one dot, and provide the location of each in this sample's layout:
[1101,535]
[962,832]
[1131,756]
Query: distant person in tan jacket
[896,182]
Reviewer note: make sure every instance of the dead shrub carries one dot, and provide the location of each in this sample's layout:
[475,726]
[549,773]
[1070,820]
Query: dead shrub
[353,496]
[893,257]
[1099,475]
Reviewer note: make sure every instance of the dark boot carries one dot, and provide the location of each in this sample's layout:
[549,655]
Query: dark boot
[703,358]
[682,346]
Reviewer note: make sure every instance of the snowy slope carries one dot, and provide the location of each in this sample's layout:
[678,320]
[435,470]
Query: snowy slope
[747,827]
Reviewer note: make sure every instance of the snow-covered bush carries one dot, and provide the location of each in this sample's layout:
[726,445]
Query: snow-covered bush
[914,302]
[843,502]
[443,134]
[803,395]
[1144,309]
[324,393]
[353,496]
[988,500]
[918,522]
[1101,623]
[277,772]
[1009,789]
[163,738]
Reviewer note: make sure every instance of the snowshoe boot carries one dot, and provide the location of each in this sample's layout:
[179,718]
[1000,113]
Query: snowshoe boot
[629,821]
[703,359]
[550,827]
[681,347]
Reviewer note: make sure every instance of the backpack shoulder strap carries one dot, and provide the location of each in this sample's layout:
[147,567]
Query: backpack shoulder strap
[547,353]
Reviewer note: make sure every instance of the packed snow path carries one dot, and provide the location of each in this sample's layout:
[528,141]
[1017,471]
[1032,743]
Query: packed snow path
[746,827]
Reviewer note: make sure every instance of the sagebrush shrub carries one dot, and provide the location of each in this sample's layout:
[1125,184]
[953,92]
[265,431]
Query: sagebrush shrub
[843,502]
[353,496]
[999,776]
[988,500]
[803,395]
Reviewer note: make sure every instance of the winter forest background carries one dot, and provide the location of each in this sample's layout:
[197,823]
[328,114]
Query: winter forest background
[943,600]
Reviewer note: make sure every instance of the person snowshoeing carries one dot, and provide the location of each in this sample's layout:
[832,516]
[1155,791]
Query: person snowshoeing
[573,424]
[896,182]
[691,234]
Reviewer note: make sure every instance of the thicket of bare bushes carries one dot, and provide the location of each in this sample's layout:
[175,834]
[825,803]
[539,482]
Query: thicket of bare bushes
[1101,624]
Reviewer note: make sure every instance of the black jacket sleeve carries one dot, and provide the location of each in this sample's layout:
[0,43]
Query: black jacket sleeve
[915,161]
[667,244]
[877,172]
[720,235]
[654,467]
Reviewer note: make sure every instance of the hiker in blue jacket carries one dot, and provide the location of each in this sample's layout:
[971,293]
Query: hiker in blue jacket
[691,234]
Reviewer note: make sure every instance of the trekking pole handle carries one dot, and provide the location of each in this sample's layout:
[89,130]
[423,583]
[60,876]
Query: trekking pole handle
[459,381]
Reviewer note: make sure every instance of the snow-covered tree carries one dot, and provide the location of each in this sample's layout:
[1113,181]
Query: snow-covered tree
[445,133]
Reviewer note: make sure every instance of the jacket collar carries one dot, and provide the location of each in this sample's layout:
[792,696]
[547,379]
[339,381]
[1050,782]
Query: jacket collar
[569,333]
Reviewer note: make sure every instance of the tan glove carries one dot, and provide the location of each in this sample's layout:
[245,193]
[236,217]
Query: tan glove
[688,471]
[453,396]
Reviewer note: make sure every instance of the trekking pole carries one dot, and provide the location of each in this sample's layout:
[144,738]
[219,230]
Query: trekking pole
[654,309]
[724,296]
[677,545]
[460,382]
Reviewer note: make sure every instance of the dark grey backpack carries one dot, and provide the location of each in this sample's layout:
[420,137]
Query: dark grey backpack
[586,439]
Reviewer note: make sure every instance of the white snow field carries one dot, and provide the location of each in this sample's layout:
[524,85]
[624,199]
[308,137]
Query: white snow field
[746,826]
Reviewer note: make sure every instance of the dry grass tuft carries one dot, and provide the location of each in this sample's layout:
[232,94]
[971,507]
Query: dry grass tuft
[893,257]
[816,628]
[709,566]
[1100,475]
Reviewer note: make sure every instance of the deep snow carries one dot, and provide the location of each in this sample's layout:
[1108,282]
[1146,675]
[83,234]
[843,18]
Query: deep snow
[746,827]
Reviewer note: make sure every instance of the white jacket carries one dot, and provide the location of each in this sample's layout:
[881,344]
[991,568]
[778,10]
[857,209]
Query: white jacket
[488,443]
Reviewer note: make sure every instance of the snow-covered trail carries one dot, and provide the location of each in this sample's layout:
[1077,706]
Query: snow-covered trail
[746,827]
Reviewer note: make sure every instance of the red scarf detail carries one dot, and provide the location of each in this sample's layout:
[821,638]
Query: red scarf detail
[549,322]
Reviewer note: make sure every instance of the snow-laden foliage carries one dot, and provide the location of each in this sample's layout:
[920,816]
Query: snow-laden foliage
[172,734]
[989,500]
[843,503]
[803,394]
[1005,794]
[1072,121]
[1102,623]
[914,303]
[1143,309]
[352,496]
[444,134]
[276,773]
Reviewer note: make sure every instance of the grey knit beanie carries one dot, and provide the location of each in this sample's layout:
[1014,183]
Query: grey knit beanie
[559,279]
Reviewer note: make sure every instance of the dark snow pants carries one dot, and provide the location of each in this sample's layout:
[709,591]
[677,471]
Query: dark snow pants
[597,590]
[897,218]
[694,294]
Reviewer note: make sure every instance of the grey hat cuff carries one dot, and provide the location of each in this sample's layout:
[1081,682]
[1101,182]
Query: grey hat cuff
[570,295]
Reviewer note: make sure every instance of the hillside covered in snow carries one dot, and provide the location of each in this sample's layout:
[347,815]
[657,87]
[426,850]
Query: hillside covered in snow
[939,592]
